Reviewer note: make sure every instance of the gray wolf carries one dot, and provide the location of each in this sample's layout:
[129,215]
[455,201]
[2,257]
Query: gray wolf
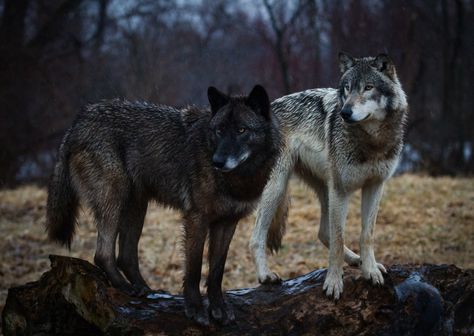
[212,165]
[337,141]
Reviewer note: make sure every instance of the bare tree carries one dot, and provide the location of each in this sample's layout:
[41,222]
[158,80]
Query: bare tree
[280,25]
[57,55]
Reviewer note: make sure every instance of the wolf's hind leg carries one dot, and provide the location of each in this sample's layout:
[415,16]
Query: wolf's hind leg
[100,179]
[219,240]
[108,218]
[131,225]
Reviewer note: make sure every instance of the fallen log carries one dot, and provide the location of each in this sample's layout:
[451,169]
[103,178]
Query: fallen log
[75,298]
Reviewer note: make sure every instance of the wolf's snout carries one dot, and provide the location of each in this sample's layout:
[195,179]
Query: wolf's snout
[346,113]
[226,163]
[218,161]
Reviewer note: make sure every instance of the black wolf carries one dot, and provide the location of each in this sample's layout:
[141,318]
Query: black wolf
[210,164]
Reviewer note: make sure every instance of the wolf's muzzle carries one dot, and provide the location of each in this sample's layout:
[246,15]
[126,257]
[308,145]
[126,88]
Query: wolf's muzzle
[218,161]
[228,163]
[346,113]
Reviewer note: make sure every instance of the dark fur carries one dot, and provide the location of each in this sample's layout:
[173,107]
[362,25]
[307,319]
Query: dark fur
[119,155]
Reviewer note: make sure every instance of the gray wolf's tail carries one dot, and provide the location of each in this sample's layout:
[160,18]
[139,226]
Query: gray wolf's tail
[278,225]
[62,204]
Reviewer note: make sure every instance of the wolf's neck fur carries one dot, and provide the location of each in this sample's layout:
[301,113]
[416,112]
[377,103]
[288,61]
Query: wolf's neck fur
[378,133]
[377,139]
[371,139]
[247,187]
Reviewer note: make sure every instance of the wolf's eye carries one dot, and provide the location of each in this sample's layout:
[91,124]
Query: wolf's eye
[346,87]
[241,130]
[368,87]
[218,132]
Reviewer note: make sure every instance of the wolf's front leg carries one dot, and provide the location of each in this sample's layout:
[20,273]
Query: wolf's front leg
[219,240]
[371,270]
[350,257]
[338,203]
[273,196]
[195,232]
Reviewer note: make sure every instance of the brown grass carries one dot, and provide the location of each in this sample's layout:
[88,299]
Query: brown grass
[422,219]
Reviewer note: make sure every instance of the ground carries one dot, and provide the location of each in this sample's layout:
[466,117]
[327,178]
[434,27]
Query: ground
[421,220]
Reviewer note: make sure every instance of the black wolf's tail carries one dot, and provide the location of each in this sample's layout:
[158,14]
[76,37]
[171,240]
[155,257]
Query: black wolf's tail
[278,226]
[62,204]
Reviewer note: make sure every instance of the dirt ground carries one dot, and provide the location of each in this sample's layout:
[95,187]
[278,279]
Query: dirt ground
[422,220]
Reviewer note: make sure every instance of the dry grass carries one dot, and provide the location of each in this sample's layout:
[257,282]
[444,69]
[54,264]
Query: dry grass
[422,219]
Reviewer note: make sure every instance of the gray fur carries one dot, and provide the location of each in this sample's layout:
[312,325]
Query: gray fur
[337,156]
[278,226]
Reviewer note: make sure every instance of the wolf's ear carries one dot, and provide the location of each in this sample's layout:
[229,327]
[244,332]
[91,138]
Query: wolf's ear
[384,64]
[216,98]
[259,102]
[345,62]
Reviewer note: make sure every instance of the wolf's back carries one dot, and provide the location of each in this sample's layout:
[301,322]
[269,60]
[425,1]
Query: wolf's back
[62,201]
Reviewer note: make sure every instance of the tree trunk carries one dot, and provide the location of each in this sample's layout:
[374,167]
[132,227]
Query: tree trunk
[74,298]
[12,60]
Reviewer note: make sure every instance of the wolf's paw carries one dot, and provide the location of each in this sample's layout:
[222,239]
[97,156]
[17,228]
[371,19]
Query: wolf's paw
[333,284]
[127,289]
[356,262]
[381,268]
[222,313]
[269,278]
[141,290]
[373,272]
[197,313]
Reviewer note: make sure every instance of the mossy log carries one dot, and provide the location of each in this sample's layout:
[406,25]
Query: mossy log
[75,298]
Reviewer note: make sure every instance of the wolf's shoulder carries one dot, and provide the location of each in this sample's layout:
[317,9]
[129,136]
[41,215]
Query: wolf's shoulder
[320,99]
[192,114]
[309,107]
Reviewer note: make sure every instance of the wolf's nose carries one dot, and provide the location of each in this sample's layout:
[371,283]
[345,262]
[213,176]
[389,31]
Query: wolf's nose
[346,113]
[218,161]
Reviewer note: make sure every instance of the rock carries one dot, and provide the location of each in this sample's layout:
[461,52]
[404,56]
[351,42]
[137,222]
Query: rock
[75,298]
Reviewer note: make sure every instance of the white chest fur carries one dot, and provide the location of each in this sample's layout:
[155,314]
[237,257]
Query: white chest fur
[313,154]
[354,176]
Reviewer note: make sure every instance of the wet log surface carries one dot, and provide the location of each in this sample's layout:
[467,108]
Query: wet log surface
[74,298]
